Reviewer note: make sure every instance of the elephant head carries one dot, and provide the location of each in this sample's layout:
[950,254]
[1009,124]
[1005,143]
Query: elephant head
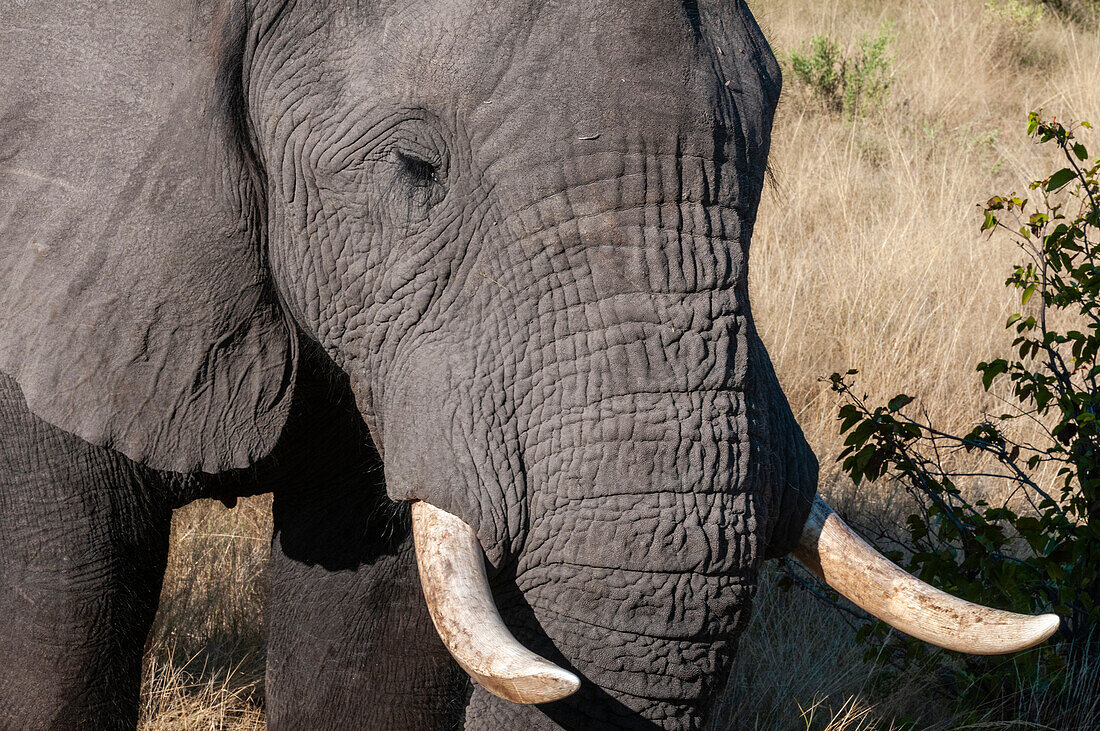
[522,230]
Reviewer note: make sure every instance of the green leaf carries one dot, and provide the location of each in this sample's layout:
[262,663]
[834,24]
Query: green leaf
[1028,291]
[899,402]
[991,370]
[1059,179]
[1080,151]
[990,221]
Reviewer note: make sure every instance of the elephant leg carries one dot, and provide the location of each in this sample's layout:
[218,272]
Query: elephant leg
[83,546]
[350,642]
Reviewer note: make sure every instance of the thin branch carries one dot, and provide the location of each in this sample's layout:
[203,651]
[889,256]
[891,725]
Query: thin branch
[812,588]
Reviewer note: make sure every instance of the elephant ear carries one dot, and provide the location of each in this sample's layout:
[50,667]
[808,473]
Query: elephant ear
[135,308]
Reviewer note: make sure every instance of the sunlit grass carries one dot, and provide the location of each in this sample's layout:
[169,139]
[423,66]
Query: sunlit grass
[867,255]
[204,666]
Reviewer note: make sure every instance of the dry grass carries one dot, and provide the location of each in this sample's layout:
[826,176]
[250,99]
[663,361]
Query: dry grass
[204,664]
[192,698]
[799,667]
[866,255]
[867,252]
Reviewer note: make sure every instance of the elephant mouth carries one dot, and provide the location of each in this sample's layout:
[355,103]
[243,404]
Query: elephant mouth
[459,599]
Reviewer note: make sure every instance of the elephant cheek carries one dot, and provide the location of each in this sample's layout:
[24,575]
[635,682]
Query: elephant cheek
[432,448]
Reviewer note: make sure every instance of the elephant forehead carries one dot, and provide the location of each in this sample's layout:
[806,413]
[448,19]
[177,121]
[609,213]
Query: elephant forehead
[464,49]
[591,69]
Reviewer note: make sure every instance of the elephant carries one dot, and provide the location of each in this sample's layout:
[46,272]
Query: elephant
[464,286]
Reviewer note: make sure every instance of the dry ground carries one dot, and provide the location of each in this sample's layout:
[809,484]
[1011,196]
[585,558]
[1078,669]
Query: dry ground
[866,255]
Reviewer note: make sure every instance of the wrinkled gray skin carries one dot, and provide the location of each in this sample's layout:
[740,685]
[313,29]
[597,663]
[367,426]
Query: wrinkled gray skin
[505,244]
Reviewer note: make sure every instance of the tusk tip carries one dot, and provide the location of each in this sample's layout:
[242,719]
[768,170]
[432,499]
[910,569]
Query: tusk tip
[846,562]
[560,683]
[540,682]
[1028,631]
[456,589]
[544,685]
[1045,625]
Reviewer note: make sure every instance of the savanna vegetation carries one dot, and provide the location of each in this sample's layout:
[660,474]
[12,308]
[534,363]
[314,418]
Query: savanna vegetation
[899,122]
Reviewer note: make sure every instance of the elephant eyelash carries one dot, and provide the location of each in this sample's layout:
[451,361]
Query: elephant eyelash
[418,169]
[416,187]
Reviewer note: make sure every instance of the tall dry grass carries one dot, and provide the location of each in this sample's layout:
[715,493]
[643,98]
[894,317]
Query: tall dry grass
[204,665]
[866,255]
[867,252]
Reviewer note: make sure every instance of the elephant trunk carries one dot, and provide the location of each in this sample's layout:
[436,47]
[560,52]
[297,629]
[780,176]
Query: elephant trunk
[613,430]
[640,595]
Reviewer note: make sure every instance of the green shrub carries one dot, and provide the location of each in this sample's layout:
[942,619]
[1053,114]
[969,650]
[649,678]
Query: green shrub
[854,83]
[1022,14]
[1041,550]
[1010,26]
[1079,11]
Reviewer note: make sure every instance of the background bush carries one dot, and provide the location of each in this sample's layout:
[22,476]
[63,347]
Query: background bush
[1038,550]
[1081,11]
[853,83]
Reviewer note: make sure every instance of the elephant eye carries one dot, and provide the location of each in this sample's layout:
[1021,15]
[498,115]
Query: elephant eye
[417,186]
[420,171]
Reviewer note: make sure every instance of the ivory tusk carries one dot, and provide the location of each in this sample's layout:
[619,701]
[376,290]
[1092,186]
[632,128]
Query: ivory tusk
[847,563]
[452,574]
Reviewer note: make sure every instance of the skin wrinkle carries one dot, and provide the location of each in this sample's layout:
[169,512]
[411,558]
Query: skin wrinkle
[620,151]
[598,633]
[688,546]
[533,580]
[578,221]
[563,452]
[646,231]
[689,629]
